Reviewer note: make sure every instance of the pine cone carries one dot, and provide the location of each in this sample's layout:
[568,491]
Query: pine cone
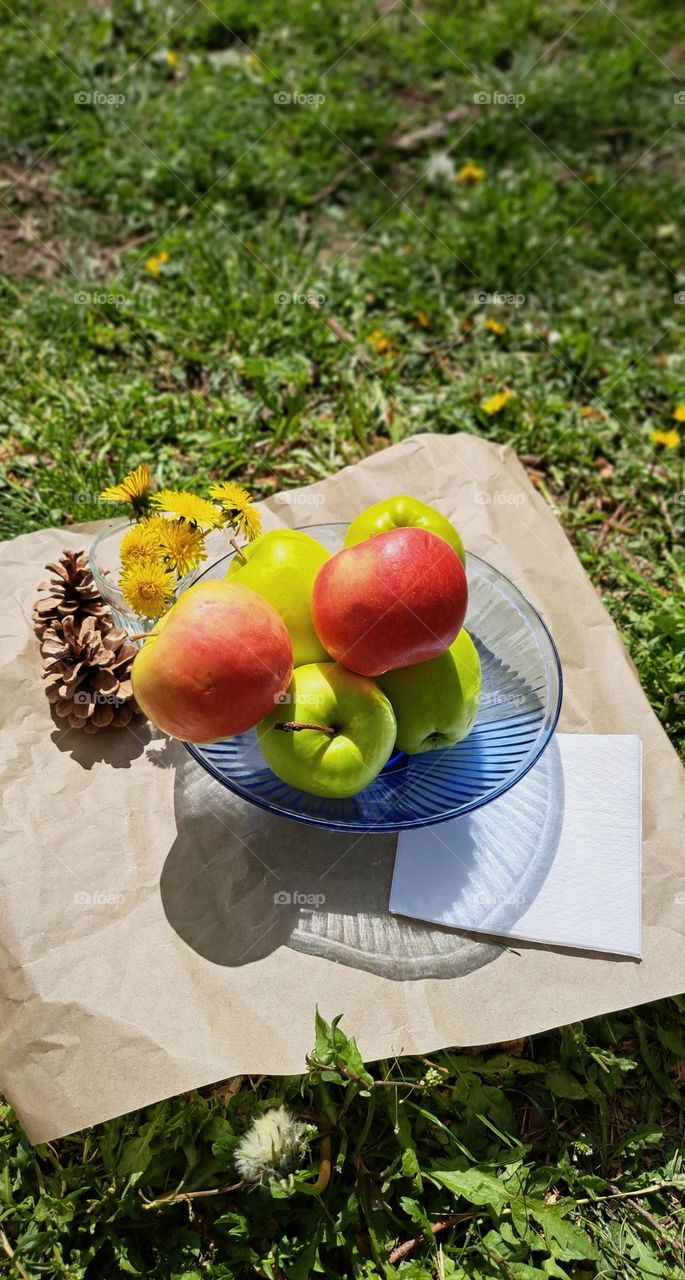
[87,673]
[71,593]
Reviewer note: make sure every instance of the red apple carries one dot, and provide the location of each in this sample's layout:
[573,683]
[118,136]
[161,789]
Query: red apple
[395,600]
[214,665]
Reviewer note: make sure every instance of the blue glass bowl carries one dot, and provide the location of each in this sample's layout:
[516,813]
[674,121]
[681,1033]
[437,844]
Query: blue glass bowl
[520,705]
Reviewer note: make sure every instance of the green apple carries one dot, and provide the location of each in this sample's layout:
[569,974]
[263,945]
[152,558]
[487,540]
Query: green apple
[402,512]
[331,734]
[436,702]
[281,566]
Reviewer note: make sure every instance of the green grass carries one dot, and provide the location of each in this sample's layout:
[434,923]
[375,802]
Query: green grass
[203,373]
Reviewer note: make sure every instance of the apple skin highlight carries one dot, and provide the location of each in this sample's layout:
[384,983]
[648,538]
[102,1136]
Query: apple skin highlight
[281,566]
[402,512]
[392,601]
[340,732]
[214,664]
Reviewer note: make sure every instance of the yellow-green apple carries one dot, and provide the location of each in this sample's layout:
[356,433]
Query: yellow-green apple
[332,734]
[397,599]
[436,702]
[402,512]
[214,664]
[281,566]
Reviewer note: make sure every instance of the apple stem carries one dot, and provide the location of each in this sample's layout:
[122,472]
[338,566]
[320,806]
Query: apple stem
[144,635]
[238,551]
[293,726]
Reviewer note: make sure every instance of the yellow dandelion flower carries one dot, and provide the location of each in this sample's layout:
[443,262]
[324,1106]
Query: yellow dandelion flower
[423,319]
[494,326]
[669,439]
[133,488]
[471,173]
[155,525]
[171,59]
[156,262]
[496,403]
[187,506]
[679,413]
[182,545]
[138,543]
[148,587]
[236,504]
[379,341]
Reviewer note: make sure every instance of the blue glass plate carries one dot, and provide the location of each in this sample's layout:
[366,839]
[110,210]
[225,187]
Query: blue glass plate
[521,701]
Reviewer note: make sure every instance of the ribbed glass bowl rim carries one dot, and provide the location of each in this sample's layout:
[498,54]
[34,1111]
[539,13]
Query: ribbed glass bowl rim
[408,824]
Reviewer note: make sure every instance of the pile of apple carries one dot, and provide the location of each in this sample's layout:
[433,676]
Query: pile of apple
[338,660]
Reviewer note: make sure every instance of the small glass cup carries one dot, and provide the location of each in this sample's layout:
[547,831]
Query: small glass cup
[105,566]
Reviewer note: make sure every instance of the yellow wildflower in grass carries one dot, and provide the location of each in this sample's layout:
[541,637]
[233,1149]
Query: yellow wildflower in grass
[148,587]
[496,403]
[471,173]
[669,439]
[182,545]
[379,341]
[138,544]
[236,504]
[171,59]
[156,262]
[423,319]
[133,488]
[494,326]
[679,413]
[187,506]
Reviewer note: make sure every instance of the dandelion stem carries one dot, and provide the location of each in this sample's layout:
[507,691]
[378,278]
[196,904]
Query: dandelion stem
[315,1188]
[174,1198]
[238,550]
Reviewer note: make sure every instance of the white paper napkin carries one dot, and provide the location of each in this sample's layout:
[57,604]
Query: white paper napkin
[557,860]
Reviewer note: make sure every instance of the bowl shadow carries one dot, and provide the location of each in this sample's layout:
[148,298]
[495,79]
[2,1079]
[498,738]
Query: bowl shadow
[239,882]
